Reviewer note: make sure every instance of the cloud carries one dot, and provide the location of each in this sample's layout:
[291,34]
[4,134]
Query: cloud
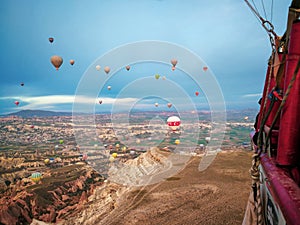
[52,101]
[252,95]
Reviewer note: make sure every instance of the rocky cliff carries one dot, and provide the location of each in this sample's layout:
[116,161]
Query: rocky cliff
[60,194]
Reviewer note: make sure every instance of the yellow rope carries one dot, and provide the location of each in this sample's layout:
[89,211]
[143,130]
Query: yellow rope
[256,188]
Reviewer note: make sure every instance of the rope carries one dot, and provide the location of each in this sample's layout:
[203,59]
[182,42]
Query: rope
[286,94]
[272,11]
[262,122]
[263,5]
[254,171]
[267,25]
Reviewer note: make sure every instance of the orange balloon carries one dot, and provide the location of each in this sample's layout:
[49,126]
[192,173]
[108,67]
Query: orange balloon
[106,69]
[72,62]
[56,61]
[169,105]
[127,68]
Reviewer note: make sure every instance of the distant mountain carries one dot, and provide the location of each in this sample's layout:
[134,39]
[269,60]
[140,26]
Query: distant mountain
[231,115]
[38,113]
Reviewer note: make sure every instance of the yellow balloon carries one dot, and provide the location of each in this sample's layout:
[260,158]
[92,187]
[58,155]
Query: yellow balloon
[114,155]
[177,142]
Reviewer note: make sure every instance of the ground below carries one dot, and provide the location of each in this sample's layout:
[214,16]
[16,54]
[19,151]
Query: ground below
[215,196]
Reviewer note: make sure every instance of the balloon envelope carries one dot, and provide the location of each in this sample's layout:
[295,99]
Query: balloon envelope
[56,61]
[22,84]
[111,159]
[36,177]
[156,104]
[205,68]
[173,122]
[100,102]
[106,69]
[157,76]
[132,152]
[169,105]
[98,67]
[196,93]
[174,62]
[177,141]
[72,62]
[17,103]
[114,155]
[109,88]
[51,39]
[127,68]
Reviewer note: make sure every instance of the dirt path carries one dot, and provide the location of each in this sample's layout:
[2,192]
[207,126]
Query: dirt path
[215,196]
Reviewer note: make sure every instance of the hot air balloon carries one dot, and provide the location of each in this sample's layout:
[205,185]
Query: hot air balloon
[115,155]
[47,161]
[169,105]
[157,76]
[36,177]
[56,61]
[100,102]
[156,104]
[72,61]
[61,141]
[173,68]
[132,152]
[177,141]
[164,77]
[32,126]
[174,62]
[207,139]
[127,68]
[205,68]
[106,69]
[98,67]
[51,39]
[197,93]
[173,122]
[138,141]
[84,157]
[111,159]
[124,149]
[109,88]
[22,84]
[246,118]
[17,103]
[117,145]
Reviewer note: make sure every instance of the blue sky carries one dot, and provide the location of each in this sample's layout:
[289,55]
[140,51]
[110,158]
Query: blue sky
[224,34]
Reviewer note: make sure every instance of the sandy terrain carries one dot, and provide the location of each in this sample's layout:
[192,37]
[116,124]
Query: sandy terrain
[215,196]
